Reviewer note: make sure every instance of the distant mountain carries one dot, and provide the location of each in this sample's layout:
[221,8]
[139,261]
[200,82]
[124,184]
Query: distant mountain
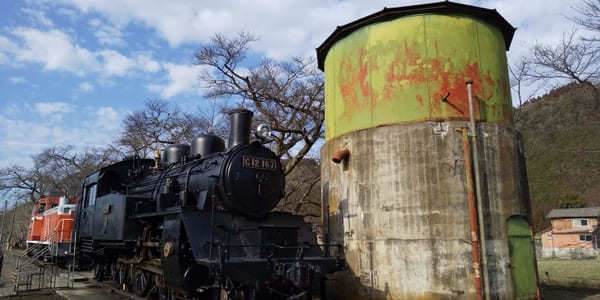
[561,132]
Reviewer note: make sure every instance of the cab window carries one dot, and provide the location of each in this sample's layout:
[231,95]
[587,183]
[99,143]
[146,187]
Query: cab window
[90,195]
[41,208]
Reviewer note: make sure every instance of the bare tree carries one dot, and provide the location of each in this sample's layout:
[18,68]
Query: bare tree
[519,80]
[55,171]
[24,182]
[588,17]
[302,195]
[571,60]
[288,96]
[66,168]
[160,121]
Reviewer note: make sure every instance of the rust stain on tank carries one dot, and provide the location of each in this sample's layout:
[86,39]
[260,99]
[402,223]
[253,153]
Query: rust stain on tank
[406,68]
[454,83]
[353,77]
[420,99]
[406,71]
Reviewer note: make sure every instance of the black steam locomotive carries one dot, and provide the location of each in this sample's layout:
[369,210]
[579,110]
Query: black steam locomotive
[197,223]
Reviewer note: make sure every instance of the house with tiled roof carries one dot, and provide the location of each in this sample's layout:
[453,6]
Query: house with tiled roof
[574,233]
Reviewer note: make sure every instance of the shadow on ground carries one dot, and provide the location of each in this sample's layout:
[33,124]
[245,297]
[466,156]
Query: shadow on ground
[563,293]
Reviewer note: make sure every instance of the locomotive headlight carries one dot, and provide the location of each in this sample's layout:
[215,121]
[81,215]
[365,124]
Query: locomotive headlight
[263,131]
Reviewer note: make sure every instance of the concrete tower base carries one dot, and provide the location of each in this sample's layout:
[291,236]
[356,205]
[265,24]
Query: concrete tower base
[399,205]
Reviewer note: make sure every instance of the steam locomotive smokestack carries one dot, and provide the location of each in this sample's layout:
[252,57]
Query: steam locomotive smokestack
[241,120]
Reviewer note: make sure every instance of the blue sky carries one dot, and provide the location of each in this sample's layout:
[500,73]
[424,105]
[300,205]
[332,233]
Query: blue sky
[70,70]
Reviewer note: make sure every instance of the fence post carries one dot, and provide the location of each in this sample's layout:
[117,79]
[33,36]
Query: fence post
[12,225]
[2,226]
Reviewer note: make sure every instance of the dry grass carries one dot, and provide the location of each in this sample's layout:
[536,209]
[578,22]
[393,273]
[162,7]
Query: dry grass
[570,272]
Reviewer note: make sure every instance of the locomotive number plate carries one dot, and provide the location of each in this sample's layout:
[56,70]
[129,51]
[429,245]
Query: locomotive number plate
[252,162]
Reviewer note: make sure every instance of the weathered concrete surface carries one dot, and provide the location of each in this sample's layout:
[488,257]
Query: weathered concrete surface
[399,205]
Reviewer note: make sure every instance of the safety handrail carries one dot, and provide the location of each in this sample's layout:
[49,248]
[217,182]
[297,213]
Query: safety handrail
[61,223]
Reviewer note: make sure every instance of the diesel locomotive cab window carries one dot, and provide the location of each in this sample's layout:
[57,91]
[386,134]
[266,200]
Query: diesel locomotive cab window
[90,195]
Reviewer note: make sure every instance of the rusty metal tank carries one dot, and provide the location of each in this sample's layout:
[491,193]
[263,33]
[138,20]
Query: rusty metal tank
[396,99]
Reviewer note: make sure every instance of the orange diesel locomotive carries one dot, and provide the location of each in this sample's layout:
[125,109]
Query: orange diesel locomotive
[51,226]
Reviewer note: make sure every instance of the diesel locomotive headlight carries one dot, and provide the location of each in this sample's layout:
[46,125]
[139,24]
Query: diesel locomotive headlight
[263,131]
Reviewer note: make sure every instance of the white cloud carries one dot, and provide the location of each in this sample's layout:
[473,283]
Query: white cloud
[4,59]
[115,64]
[53,108]
[17,79]
[70,13]
[106,34]
[289,28]
[22,136]
[55,50]
[108,118]
[181,79]
[286,28]
[7,49]
[38,16]
[8,46]
[147,64]
[86,87]
[95,22]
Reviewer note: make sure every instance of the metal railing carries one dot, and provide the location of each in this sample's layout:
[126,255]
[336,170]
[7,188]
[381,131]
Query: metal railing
[46,272]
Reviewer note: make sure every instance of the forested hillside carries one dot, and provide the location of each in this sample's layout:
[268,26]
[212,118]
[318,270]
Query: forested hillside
[561,131]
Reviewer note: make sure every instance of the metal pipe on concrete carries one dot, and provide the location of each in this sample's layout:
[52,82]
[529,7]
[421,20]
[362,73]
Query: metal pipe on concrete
[472,213]
[484,265]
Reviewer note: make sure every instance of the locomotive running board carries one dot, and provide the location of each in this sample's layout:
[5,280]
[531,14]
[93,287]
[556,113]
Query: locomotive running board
[155,214]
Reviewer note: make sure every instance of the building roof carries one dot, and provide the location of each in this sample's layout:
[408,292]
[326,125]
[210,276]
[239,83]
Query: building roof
[489,15]
[574,212]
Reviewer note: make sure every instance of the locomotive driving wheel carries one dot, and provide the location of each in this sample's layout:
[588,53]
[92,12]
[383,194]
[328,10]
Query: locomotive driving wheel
[142,281]
[99,272]
[122,277]
[218,294]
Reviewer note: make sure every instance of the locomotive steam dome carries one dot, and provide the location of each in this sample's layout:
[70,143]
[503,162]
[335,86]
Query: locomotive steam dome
[176,153]
[206,144]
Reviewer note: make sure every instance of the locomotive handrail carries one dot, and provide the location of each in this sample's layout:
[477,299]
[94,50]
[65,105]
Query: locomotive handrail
[52,234]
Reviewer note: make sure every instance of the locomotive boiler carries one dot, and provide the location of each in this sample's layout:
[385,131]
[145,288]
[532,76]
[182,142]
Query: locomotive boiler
[197,223]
